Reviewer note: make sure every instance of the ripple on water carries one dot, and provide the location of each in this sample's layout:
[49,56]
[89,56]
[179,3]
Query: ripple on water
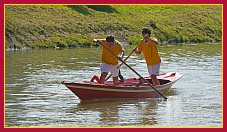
[35,98]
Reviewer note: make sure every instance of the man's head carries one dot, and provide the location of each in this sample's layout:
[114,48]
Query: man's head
[146,31]
[110,38]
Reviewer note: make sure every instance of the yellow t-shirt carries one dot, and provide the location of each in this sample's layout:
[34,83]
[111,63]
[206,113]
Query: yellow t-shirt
[108,57]
[150,52]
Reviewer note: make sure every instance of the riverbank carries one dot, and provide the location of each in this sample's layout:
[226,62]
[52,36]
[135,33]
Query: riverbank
[49,26]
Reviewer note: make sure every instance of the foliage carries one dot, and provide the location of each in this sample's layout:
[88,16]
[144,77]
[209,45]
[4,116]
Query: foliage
[76,25]
[134,40]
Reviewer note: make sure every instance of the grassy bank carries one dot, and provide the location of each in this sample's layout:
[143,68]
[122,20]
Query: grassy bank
[76,25]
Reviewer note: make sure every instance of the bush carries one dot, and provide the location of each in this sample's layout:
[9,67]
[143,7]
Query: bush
[59,42]
[83,41]
[134,40]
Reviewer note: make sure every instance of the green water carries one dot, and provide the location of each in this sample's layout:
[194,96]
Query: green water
[34,96]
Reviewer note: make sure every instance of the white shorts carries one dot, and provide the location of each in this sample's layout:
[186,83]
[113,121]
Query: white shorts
[153,69]
[110,68]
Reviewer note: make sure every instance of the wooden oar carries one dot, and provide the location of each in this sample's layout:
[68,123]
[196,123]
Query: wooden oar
[165,98]
[127,57]
[122,63]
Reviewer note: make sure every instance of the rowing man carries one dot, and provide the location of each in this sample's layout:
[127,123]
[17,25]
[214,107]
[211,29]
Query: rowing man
[109,63]
[148,46]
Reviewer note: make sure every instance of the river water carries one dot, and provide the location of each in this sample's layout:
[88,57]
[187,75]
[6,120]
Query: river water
[34,96]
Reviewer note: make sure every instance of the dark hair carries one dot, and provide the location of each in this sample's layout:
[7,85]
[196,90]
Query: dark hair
[110,38]
[146,31]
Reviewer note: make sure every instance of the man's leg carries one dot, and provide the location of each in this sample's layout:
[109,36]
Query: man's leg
[154,71]
[115,72]
[115,80]
[155,80]
[104,72]
[103,77]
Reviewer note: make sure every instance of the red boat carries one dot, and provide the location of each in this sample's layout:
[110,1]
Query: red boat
[89,90]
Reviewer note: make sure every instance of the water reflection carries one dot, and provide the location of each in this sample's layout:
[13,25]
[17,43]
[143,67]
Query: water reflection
[35,98]
[118,112]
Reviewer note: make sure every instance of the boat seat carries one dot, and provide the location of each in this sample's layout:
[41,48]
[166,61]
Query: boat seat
[162,81]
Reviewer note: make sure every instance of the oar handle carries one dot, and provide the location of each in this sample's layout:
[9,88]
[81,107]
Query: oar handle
[127,58]
[134,71]
[122,63]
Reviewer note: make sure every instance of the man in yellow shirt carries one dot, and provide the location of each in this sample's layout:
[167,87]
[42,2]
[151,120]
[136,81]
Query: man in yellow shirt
[149,48]
[109,63]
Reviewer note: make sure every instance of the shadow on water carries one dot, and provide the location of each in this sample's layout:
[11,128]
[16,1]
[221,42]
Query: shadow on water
[171,92]
[123,112]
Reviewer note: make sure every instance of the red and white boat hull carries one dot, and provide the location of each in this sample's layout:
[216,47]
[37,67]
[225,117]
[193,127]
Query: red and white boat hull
[127,89]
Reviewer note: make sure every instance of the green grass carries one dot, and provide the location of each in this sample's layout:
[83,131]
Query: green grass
[76,25]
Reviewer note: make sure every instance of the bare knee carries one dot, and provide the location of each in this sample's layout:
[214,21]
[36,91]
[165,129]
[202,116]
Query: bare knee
[115,80]
[103,77]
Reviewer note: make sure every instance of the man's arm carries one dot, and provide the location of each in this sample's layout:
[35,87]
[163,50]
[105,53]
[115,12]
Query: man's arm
[122,54]
[136,51]
[98,42]
[154,40]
